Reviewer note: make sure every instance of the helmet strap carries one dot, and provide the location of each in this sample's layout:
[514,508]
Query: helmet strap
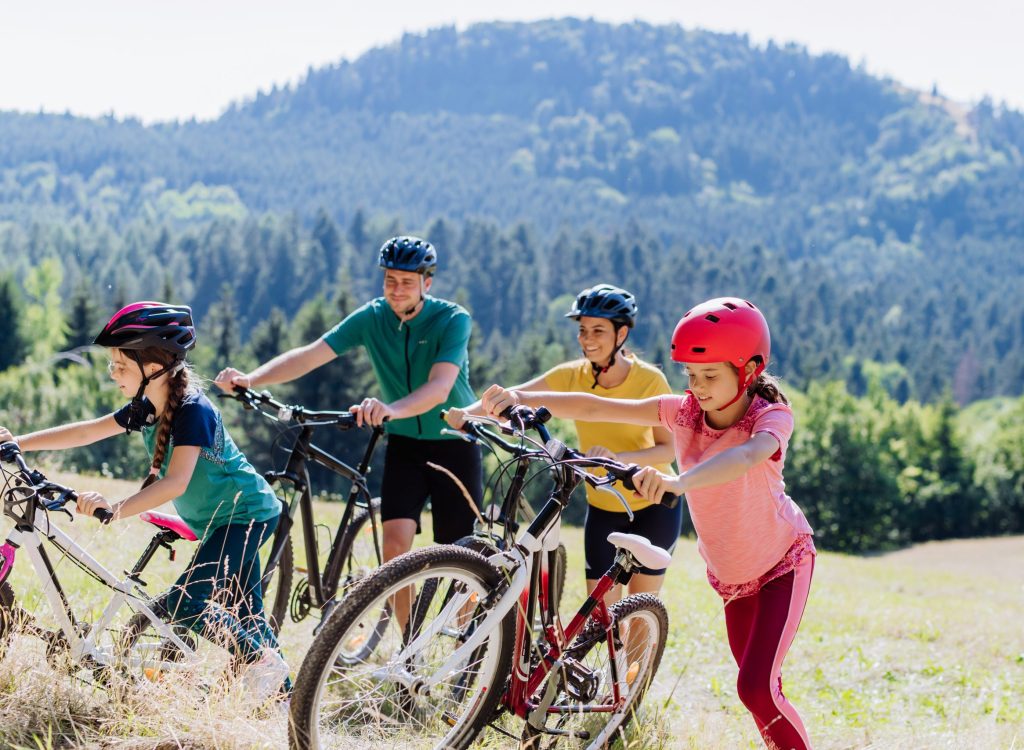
[601,370]
[139,413]
[745,383]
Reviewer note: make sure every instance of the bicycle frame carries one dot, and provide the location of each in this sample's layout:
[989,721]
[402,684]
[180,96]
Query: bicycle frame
[527,588]
[323,587]
[523,562]
[128,591]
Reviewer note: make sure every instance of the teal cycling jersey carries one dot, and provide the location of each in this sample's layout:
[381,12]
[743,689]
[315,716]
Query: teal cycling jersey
[224,487]
[402,353]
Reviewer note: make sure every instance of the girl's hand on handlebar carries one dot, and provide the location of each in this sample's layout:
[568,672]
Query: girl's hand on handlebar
[229,377]
[6,436]
[497,399]
[651,485]
[88,502]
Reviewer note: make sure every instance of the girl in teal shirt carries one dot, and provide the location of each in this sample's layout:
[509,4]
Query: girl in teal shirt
[195,463]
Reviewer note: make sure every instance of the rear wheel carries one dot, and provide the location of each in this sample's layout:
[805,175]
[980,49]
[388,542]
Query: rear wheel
[277,583]
[589,677]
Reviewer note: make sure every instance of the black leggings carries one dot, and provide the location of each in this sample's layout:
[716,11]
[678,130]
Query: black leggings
[658,524]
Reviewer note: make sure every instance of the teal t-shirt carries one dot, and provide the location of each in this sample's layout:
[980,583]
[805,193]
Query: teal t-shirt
[224,488]
[402,354]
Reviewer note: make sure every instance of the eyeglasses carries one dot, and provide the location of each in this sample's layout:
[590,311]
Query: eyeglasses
[118,368]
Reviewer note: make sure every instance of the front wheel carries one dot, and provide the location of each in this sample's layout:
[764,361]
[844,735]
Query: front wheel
[598,696]
[277,583]
[10,616]
[419,609]
[361,548]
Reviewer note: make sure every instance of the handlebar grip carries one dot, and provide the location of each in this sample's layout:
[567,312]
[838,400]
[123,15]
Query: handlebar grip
[627,482]
[103,515]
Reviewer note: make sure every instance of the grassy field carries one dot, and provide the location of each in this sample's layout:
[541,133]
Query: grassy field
[922,648]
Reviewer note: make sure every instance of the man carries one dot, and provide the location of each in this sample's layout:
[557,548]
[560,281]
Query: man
[418,347]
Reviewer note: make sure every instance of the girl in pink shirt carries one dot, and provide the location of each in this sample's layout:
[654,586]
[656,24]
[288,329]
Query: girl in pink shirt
[730,430]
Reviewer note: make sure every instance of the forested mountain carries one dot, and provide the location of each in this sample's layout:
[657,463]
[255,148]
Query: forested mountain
[871,222]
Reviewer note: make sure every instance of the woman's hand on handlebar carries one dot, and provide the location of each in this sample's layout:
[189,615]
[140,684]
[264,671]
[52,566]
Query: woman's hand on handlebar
[497,399]
[652,485]
[229,377]
[599,451]
[89,502]
[456,418]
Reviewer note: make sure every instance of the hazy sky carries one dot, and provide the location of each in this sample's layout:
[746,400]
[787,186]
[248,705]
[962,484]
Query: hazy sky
[166,60]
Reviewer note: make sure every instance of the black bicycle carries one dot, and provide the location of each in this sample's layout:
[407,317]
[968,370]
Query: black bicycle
[355,549]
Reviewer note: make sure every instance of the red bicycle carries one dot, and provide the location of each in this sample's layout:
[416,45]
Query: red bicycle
[461,649]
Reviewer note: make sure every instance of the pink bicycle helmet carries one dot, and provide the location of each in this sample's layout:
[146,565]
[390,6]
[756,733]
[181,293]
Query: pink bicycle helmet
[142,325]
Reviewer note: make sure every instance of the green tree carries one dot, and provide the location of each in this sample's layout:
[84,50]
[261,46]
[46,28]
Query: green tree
[13,345]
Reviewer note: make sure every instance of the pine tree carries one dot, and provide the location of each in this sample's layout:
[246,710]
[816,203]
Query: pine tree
[13,345]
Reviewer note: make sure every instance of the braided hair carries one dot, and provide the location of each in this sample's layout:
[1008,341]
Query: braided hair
[766,386]
[179,381]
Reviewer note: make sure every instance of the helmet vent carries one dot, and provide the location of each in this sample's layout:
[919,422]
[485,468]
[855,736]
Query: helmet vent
[698,349]
[730,305]
[712,318]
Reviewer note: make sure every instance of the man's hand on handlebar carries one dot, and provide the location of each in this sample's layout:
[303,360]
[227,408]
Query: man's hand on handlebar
[372,411]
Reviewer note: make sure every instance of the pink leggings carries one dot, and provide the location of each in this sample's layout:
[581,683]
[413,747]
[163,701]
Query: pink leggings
[761,629]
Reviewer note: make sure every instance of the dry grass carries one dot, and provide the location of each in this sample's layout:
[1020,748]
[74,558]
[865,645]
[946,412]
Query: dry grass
[922,648]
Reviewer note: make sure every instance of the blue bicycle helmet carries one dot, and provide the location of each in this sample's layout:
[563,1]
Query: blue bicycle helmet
[409,254]
[605,301]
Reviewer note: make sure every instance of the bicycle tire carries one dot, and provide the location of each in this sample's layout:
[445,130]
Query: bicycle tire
[359,558]
[557,564]
[644,608]
[466,569]
[10,615]
[279,583]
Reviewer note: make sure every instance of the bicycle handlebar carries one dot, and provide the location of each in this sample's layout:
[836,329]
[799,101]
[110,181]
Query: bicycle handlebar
[11,453]
[536,419]
[253,400]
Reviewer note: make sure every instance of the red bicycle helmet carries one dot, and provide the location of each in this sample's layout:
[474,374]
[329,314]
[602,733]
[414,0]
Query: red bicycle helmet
[726,329]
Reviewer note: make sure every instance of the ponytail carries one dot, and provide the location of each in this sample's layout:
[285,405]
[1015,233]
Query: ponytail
[767,387]
[178,384]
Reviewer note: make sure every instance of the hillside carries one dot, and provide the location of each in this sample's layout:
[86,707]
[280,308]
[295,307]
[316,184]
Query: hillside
[873,223]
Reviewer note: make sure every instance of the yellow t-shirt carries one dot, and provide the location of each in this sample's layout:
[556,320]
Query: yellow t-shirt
[643,381]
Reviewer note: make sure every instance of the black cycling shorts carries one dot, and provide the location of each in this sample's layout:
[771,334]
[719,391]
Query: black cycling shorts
[658,524]
[408,482]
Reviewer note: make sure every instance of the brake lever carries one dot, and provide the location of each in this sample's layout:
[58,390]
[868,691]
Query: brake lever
[607,487]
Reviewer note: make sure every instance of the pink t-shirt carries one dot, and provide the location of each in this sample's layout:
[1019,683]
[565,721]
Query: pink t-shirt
[746,526]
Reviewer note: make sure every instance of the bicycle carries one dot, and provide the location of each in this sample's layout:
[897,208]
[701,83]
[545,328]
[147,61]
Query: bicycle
[99,648]
[356,546]
[460,656]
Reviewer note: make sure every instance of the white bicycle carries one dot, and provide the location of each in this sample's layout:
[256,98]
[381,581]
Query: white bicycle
[148,645]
